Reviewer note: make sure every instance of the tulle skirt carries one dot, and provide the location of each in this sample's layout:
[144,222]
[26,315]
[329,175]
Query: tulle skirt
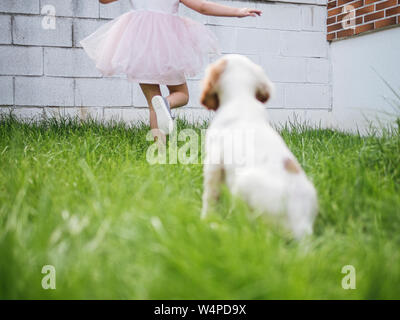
[151,47]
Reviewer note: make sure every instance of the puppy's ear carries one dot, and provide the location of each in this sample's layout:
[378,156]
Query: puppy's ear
[265,88]
[263,93]
[209,96]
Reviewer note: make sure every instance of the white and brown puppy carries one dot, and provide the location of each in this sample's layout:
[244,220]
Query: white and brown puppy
[246,153]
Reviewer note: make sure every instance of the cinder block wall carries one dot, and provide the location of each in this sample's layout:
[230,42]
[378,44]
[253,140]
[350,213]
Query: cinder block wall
[45,72]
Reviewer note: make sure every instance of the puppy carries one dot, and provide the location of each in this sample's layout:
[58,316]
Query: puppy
[246,153]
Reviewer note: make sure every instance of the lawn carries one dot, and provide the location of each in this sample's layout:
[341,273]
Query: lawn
[82,198]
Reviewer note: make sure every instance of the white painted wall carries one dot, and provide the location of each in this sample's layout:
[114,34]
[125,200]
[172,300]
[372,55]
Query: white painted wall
[360,98]
[359,94]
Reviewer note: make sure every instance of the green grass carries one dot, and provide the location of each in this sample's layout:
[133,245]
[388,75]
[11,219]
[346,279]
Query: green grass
[81,197]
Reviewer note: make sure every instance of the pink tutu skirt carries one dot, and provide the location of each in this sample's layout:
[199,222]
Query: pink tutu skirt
[151,47]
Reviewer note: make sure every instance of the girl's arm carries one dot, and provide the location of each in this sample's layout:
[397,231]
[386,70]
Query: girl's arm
[214,9]
[106,1]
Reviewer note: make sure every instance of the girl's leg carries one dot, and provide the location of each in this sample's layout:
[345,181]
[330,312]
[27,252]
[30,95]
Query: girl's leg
[178,95]
[149,91]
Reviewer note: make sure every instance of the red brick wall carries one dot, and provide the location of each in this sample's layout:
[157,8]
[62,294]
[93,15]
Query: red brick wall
[350,17]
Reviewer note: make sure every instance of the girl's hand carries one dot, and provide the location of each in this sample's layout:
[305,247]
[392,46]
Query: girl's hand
[246,12]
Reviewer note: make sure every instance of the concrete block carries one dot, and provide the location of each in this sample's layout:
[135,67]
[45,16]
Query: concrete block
[6,110]
[135,115]
[44,91]
[60,112]
[28,114]
[85,27]
[112,114]
[86,9]
[268,42]
[248,41]
[307,96]
[313,18]
[279,16]
[138,97]
[105,92]
[20,6]
[194,93]
[285,69]
[194,115]
[94,113]
[21,60]
[227,37]
[278,98]
[305,44]
[63,8]
[5,27]
[68,62]
[6,91]
[28,30]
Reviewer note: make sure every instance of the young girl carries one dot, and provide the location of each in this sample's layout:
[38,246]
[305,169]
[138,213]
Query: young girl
[153,46]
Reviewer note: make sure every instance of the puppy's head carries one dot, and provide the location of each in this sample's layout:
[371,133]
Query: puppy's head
[233,72]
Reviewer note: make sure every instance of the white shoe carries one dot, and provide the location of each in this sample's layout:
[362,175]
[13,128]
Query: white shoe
[165,120]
